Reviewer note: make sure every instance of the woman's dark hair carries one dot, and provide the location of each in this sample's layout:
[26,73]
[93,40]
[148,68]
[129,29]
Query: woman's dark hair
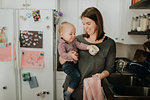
[95,15]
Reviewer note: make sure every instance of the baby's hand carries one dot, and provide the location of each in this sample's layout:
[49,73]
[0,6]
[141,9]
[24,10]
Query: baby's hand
[74,52]
[89,47]
[75,57]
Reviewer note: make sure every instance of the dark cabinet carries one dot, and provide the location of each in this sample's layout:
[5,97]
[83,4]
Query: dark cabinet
[139,33]
[143,4]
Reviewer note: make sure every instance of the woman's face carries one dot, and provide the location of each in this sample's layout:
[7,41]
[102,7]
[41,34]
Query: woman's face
[89,25]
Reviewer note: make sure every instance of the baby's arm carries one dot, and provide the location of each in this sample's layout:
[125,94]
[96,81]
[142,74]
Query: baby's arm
[62,61]
[93,49]
[81,46]
[62,52]
[71,56]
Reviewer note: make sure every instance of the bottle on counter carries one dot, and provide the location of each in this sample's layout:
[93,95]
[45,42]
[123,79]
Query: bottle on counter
[139,22]
[134,23]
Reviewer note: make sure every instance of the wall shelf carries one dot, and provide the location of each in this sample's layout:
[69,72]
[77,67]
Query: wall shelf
[143,4]
[139,33]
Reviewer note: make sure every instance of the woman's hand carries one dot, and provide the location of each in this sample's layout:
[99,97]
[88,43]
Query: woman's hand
[101,75]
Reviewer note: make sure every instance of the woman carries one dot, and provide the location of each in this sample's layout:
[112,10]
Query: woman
[100,65]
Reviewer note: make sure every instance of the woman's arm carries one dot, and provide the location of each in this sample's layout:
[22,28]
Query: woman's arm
[110,59]
[102,75]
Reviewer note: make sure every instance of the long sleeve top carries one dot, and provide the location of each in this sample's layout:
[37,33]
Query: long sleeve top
[64,48]
[89,65]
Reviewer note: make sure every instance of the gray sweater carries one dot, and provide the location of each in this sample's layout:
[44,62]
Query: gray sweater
[89,65]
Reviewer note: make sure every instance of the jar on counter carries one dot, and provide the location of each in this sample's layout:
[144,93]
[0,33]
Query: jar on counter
[148,21]
[144,22]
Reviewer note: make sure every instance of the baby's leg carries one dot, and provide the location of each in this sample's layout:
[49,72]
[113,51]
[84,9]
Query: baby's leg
[71,70]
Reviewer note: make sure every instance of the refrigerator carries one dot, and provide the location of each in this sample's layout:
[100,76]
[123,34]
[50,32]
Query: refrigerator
[8,76]
[31,69]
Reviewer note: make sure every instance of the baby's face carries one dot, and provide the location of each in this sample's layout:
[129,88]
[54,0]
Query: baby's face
[68,33]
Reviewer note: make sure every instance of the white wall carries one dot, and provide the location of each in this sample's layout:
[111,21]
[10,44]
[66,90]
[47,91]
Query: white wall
[0,3]
[128,51]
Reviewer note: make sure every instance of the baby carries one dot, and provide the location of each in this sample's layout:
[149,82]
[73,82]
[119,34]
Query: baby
[68,43]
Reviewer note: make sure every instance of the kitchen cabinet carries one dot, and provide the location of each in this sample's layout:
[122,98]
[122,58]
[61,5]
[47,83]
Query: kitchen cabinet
[72,10]
[82,5]
[29,4]
[69,8]
[111,12]
[60,78]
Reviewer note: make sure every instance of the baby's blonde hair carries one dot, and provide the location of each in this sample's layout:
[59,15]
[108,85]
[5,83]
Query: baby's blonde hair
[63,24]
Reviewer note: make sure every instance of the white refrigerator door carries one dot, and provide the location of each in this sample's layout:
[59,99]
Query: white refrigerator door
[44,75]
[7,68]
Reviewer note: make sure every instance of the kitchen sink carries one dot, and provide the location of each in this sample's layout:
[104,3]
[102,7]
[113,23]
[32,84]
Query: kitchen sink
[125,87]
[126,80]
[130,91]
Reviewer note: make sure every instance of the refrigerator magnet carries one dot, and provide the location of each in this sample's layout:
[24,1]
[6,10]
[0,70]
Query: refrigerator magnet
[28,15]
[36,15]
[48,27]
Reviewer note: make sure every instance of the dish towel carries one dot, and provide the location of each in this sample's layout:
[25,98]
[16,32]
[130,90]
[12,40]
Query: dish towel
[92,89]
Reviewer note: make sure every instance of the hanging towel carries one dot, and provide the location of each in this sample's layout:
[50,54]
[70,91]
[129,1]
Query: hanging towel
[92,89]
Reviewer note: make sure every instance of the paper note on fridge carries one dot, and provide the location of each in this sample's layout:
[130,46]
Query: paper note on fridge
[32,59]
[5,53]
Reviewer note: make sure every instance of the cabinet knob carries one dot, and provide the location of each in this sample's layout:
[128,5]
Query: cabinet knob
[122,39]
[116,38]
[4,87]
[27,5]
[38,94]
[23,5]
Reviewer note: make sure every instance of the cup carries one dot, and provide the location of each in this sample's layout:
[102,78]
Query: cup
[93,50]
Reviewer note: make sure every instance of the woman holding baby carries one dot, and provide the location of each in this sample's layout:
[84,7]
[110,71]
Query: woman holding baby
[100,65]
